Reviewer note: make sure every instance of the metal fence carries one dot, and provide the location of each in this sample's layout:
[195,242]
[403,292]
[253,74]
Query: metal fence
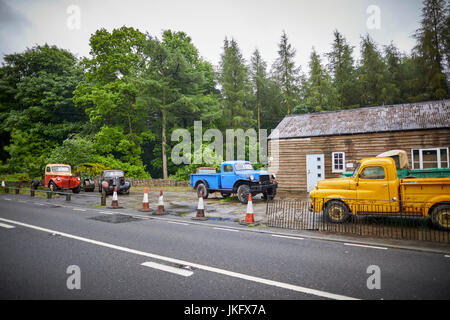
[372,219]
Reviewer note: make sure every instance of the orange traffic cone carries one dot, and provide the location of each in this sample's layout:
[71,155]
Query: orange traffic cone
[160,210]
[115,200]
[200,209]
[249,217]
[145,205]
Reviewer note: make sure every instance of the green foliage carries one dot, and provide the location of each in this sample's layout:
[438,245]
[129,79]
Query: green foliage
[72,151]
[321,94]
[234,79]
[432,48]
[287,74]
[131,170]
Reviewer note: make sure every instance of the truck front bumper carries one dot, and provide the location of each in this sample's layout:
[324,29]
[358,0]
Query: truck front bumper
[269,188]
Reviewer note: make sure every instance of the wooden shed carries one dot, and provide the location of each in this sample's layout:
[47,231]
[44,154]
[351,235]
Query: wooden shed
[306,148]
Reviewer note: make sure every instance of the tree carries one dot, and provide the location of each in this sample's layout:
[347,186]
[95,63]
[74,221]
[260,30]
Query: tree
[393,77]
[234,80]
[286,74]
[259,82]
[177,86]
[432,47]
[36,102]
[109,94]
[321,95]
[341,68]
[371,73]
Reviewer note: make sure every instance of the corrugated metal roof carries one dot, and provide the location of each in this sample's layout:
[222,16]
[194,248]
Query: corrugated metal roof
[402,117]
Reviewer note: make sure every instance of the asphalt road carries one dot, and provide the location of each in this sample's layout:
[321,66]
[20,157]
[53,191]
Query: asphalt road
[170,258]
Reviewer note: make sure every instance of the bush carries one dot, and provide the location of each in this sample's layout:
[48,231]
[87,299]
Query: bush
[131,170]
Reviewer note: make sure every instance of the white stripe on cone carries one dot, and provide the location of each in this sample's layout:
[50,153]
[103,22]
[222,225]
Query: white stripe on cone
[250,206]
[160,201]
[145,200]
[115,195]
[3,183]
[200,204]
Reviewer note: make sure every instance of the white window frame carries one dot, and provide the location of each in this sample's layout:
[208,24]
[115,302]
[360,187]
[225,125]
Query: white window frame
[438,154]
[333,168]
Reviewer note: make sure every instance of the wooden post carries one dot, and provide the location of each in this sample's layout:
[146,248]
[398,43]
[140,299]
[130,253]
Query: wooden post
[103,199]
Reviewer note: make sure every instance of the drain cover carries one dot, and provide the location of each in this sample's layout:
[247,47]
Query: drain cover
[114,218]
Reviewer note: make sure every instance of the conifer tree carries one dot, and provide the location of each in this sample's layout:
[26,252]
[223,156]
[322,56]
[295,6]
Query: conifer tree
[341,68]
[371,73]
[234,79]
[286,74]
[432,47]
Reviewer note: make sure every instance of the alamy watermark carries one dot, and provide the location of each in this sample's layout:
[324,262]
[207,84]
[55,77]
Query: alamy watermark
[374,19]
[374,280]
[74,280]
[73,21]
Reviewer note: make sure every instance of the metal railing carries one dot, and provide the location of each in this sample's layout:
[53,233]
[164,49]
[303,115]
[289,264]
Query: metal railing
[68,193]
[369,218]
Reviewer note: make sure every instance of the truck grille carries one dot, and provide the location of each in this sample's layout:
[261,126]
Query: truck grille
[264,178]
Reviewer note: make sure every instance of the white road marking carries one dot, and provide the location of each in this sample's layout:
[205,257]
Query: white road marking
[7,226]
[191,264]
[226,229]
[7,199]
[163,267]
[106,212]
[180,223]
[447,255]
[287,237]
[77,209]
[364,246]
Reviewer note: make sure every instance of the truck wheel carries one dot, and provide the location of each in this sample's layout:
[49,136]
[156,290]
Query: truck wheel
[441,217]
[201,187]
[52,186]
[336,211]
[77,189]
[242,193]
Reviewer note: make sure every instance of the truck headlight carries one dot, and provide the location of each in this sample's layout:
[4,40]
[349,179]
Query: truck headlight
[58,179]
[78,178]
[252,177]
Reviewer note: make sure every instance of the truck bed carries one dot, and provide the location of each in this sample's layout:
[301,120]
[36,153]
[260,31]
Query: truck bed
[423,189]
[213,179]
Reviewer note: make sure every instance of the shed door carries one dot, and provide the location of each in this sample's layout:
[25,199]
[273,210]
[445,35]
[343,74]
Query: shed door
[315,170]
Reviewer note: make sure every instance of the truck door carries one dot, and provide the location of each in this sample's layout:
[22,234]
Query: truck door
[227,177]
[373,190]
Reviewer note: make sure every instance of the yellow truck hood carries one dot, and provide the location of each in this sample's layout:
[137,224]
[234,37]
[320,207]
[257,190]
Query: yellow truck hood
[337,183]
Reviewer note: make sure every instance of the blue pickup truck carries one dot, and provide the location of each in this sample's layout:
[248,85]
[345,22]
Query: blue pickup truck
[236,177]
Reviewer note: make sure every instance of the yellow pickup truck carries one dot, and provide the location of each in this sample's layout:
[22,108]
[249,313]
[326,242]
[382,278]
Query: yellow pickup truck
[374,188]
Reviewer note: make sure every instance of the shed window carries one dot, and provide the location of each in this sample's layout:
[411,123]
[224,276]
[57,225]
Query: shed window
[338,161]
[430,158]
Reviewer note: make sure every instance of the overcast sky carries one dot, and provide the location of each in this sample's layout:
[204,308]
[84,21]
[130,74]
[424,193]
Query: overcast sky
[253,23]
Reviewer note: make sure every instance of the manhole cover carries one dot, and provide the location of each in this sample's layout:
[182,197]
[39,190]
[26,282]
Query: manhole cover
[114,218]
